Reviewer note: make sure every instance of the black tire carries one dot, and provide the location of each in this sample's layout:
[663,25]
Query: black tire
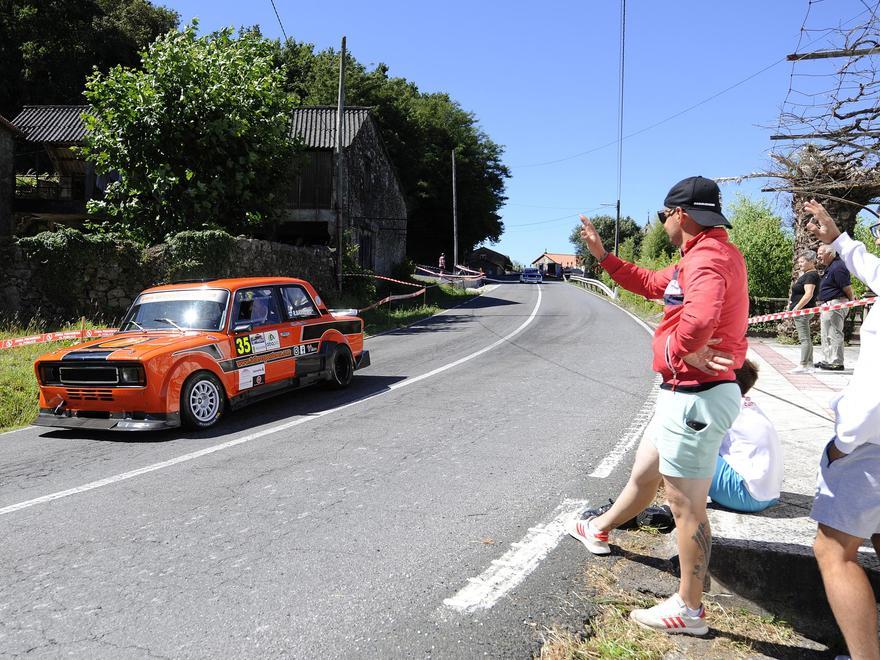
[341,367]
[202,400]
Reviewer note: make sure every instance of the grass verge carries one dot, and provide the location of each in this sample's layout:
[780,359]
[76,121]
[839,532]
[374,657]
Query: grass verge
[397,315]
[735,632]
[18,385]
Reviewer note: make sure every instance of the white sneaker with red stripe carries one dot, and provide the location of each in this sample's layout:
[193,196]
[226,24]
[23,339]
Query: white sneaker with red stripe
[671,617]
[595,541]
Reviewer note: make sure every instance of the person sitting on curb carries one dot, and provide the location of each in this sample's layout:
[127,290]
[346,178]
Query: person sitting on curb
[803,296]
[847,502]
[748,471]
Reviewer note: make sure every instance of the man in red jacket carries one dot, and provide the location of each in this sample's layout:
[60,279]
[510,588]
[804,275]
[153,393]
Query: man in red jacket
[698,344]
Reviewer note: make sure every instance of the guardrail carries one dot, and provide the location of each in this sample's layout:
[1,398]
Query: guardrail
[586,281]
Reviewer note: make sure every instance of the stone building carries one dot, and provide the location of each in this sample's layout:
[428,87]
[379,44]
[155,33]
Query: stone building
[373,211]
[8,133]
[555,264]
[489,261]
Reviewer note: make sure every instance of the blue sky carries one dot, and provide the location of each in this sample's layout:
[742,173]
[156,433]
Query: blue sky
[542,78]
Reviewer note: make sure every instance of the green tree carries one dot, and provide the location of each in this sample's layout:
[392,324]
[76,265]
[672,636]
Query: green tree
[767,248]
[863,234]
[49,47]
[420,131]
[604,224]
[199,136]
[657,250]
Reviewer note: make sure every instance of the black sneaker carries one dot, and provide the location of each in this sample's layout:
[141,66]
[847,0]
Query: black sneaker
[832,367]
[598,511]
[658,517]
[820,365]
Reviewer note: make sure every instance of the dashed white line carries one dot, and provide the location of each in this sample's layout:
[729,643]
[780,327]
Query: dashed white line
[630,437]
[509,570]
[259,434]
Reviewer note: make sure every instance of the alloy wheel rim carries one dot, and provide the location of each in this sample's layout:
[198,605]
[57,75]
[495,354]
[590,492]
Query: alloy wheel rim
[204,401]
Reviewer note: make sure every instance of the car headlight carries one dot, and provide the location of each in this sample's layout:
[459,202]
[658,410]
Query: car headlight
[133,375]
[48,374]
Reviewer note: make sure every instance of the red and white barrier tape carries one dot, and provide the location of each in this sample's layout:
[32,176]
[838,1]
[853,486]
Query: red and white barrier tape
[448,276]
[47,337]
[810,310]
[388,299]
[381,277]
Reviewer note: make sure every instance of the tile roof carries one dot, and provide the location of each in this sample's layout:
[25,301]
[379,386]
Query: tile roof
[63,124]
[316,125]
[564,260]
[58,124]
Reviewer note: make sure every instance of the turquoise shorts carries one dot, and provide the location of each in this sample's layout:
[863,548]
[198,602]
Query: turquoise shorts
[729,490]
[687,428]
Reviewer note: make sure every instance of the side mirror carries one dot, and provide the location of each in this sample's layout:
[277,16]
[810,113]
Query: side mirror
[242,326]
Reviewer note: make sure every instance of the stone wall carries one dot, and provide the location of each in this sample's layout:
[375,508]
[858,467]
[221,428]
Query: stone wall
[7,181]
[60,276]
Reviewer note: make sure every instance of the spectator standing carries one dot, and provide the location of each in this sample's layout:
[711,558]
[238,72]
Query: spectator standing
[834,288]
[804,295]
[699,342]
[847,502]
[441,262]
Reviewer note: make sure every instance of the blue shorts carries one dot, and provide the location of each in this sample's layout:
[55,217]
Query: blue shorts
[729,491]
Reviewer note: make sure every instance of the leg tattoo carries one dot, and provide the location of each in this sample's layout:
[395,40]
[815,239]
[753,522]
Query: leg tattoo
[703,539]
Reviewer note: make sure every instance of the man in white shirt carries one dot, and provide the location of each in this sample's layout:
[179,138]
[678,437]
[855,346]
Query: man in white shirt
[847,502]
[748,472]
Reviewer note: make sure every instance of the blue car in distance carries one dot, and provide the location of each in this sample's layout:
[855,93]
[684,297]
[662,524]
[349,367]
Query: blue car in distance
[531,276]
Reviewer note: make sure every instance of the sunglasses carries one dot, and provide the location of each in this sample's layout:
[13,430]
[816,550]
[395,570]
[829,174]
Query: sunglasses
[664,215]
[875,230]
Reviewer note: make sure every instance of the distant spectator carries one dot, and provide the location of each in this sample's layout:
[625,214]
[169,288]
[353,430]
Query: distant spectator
[441,262]
[833,288]
[804,295]
[847,502]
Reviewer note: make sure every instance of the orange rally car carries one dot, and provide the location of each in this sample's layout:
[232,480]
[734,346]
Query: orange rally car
[186,352]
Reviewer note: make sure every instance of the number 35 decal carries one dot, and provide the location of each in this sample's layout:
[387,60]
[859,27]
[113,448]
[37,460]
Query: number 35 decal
[243,345]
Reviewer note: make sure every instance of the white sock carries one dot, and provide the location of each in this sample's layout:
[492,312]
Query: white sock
[693,613]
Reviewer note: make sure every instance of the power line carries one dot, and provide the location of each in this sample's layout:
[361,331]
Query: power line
[279,20]
[677,114]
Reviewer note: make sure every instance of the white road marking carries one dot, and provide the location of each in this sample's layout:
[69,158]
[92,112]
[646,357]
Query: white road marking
[631,436]
[259,434]
[516,564]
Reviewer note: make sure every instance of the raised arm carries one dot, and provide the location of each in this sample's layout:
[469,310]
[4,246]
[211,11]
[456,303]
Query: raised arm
[855,255]
[641,281]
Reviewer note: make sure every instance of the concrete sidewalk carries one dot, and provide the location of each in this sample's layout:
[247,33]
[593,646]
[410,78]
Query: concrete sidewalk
[767,557]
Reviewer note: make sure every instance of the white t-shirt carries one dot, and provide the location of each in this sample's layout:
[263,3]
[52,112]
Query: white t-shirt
[752,448]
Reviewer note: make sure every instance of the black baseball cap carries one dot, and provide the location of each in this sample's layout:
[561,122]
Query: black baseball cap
[701,198]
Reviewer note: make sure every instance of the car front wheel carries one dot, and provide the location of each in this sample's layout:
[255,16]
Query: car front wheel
[202,400]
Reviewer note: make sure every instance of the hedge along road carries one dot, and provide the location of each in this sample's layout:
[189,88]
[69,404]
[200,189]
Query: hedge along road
[336,523]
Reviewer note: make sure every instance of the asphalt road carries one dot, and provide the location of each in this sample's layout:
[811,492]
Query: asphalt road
[342,533]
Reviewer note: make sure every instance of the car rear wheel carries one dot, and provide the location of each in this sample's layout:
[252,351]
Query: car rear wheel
[202,400]
[341,367]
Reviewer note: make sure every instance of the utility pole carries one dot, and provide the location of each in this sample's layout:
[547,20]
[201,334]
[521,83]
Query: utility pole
[620,124]
[340,109]
[454,218]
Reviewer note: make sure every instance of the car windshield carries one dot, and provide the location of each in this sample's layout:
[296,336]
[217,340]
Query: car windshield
[531,271]
[200,309]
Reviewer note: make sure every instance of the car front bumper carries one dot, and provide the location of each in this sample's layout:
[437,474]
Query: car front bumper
[113,421]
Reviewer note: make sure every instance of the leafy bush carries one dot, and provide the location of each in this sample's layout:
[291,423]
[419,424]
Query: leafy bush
[767,248]
[199,136]
[195,254]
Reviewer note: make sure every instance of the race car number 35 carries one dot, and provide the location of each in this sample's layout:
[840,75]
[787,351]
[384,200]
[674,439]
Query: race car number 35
[243,346]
